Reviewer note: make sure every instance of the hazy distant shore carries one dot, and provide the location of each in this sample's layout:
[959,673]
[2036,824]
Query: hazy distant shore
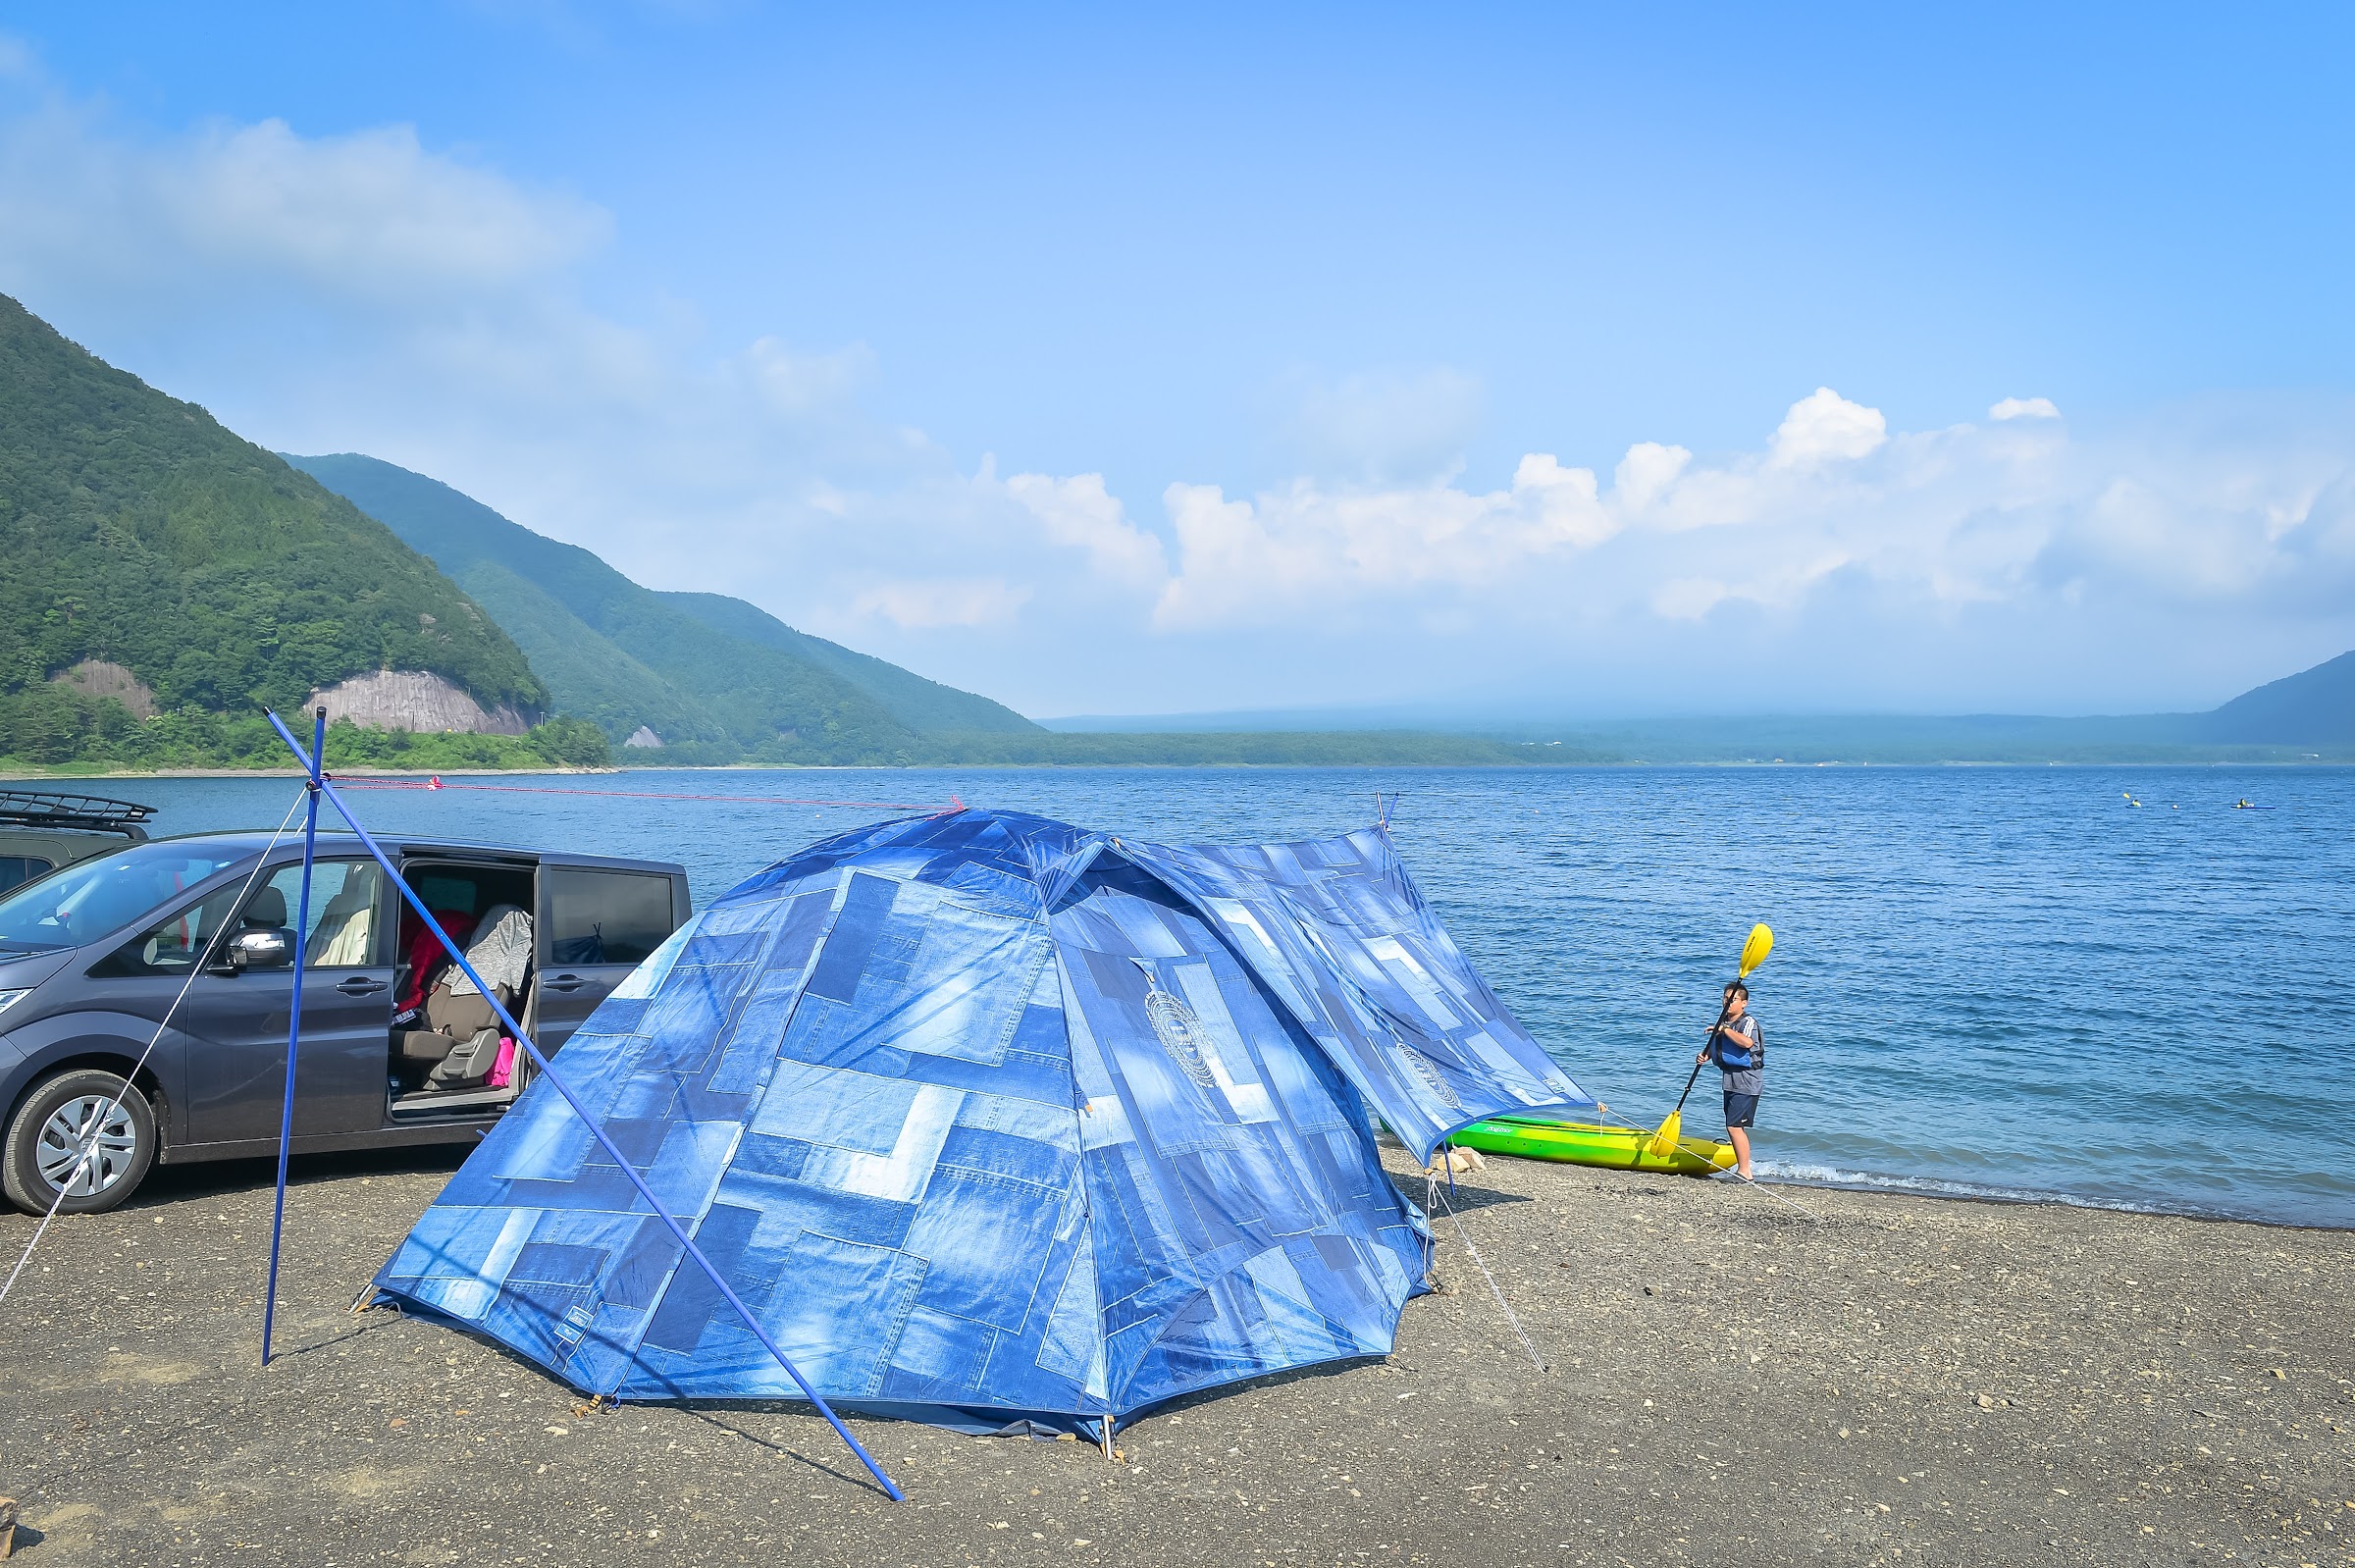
[1524,757]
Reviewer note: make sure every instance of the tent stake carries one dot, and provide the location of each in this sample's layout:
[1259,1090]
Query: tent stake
[302,927]
[678,1232]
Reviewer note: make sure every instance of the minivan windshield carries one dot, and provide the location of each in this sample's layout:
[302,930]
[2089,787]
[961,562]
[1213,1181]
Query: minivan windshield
[87,901]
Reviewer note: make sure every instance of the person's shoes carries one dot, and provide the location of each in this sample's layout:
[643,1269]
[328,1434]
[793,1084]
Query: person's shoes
[1746,1176]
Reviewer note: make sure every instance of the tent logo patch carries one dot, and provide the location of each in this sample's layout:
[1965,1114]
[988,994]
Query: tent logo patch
[1177,1029]
[1430,1075]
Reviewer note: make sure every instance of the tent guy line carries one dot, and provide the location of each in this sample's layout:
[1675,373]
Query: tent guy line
[540,1063]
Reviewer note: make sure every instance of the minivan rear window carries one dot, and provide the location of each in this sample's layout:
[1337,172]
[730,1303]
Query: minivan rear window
[85,902]
[601,917]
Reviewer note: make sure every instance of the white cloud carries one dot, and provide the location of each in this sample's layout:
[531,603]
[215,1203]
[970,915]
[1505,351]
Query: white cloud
[2024,408]
[1077,513]
[371,210]
[943,602]
[1644,474]
[368,217]
[1825,426]
[1313,550]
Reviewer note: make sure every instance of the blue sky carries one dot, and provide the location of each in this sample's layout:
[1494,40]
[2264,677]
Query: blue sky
[1124,364]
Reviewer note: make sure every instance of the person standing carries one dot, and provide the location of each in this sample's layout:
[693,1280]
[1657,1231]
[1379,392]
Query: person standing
[1738,1048]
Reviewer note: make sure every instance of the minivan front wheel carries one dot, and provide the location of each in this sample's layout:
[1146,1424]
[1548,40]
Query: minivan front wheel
[87,1131]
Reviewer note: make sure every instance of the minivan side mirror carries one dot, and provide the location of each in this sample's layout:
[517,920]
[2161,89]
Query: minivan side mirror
[263,948]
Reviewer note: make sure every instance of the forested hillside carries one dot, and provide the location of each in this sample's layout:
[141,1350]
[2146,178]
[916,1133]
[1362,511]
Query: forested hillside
[713,679]
[913,701]
[158,557]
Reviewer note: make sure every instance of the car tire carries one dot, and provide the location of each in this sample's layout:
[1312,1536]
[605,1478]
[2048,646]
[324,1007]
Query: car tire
[44,1136]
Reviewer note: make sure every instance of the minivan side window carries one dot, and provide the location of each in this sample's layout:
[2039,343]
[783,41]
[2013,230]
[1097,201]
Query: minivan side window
[17,870]
[172,945]
[590,917]
[348,911]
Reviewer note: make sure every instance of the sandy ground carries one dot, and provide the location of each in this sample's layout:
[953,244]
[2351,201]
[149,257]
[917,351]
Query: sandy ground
[1886,1380]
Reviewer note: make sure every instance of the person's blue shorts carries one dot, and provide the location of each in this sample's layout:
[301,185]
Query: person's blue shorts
[1740,1109]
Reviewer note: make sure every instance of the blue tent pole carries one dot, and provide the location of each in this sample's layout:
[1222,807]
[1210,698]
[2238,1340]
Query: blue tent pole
[539,1061]
[302,929]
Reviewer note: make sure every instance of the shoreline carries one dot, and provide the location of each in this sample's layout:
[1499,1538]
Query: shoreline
[16,775]
[1941,1190]
[1893,1378]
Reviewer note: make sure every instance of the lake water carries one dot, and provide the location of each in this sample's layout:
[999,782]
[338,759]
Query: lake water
[1992,981]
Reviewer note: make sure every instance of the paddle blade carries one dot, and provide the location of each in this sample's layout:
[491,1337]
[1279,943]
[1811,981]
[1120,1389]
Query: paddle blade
[1755,951]
[1663,1142]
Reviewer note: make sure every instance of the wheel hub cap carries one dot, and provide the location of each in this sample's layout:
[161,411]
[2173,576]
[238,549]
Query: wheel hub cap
[93,1122]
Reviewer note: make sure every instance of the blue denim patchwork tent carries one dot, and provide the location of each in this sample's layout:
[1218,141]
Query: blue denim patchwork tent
[990,1119]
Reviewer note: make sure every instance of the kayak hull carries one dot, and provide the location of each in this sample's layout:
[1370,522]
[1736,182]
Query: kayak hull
[1590,1143]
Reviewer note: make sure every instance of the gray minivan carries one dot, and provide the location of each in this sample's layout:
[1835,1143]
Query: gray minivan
[94,956]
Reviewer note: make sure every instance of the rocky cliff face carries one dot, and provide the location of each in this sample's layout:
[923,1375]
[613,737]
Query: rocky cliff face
[411,699]
[96,677]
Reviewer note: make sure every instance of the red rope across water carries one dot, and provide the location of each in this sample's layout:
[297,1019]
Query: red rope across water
[956,803]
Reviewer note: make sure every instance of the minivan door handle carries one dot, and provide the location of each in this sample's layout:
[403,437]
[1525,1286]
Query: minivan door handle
[359,985]
[565,982]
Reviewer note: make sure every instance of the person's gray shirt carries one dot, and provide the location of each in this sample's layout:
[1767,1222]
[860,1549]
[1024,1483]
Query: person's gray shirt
[1749,1081]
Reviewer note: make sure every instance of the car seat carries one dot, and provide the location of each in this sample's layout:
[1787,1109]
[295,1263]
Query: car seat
[460,1041]
[346,933]
[266,911]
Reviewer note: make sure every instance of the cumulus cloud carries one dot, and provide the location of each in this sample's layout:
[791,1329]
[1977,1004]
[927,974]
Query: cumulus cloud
[1077,513]
[2024,408]
[1824,427]
[1834,533]
[1324,548]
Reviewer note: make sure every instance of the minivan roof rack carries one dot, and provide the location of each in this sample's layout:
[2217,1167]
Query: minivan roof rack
[96,813]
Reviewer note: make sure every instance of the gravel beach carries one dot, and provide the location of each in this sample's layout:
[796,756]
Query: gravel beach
[1882,1379]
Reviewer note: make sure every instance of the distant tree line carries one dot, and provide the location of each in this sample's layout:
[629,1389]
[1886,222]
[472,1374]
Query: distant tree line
[50,726]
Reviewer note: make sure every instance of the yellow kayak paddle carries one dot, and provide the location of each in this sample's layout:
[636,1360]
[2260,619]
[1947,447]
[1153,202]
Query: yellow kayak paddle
[1754,953]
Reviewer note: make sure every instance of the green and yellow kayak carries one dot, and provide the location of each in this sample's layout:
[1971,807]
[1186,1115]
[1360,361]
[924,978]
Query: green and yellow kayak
[1590,1143]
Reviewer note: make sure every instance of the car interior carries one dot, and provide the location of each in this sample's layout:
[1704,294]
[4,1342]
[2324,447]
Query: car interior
[449,1055]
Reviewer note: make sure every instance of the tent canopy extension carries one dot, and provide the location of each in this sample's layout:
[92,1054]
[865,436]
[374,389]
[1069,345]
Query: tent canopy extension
[990,1119]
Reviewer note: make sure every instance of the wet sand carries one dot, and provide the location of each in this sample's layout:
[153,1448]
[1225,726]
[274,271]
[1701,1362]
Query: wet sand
[1886,1379]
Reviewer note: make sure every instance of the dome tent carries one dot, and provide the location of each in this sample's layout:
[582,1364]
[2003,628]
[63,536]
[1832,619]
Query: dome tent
[990,1119]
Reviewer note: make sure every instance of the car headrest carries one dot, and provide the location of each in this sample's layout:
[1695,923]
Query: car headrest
[268,910]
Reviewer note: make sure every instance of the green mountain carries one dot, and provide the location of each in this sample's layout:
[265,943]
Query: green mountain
[712,678]
[916,701]
[2312,708]
[159,565]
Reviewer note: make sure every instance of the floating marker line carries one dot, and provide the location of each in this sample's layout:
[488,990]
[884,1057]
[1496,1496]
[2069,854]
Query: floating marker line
[955,802]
